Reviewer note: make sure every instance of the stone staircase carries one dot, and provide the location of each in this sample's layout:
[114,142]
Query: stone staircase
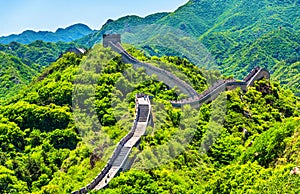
[143,117]
[143,110]
[121,157]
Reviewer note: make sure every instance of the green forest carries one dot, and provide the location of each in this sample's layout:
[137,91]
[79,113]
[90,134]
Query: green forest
[62,114]
[42,150]
[239,34]
[20,63]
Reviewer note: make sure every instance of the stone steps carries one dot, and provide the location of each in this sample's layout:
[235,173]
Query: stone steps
[122,156]
[143,110]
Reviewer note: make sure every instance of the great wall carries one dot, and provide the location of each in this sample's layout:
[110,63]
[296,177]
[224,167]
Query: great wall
[119,160]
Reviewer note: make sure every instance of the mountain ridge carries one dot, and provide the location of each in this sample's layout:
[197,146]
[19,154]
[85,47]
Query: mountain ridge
[67,34]
[226,28]
[41,141]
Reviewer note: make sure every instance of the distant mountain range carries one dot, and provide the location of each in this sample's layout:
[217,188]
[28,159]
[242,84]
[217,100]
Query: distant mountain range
[68,34]
[238,35]
[20,63]
[249,143]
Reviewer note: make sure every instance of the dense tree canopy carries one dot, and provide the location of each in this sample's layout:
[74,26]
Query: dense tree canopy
[44,150]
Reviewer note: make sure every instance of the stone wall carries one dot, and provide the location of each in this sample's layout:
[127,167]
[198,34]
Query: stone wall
[260,74]
[111,38]
[194,98]
[165,76]
[210,94]
[171,80]
[116,152]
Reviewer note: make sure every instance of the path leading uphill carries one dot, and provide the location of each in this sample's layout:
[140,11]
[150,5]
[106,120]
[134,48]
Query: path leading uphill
[194,99]
[119,160]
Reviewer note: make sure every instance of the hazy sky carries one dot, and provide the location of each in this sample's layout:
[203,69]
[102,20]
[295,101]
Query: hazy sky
[19,15]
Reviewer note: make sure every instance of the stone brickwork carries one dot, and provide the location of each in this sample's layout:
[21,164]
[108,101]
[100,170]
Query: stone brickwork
[260,74]
[194,98]
[111,38]
[165,76]
[118,160]
[144,116]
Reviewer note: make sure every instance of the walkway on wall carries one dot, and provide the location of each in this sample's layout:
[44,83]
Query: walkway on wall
[209,94]
[194,98]
[118,160]
[165,76]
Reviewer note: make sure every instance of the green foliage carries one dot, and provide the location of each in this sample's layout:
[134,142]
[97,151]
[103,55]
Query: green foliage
[45,118]
[288,75]
[266,51]
[14,74]
[20,64]
[234,163]
[12,138]
[36,129]
[41,151]
[271,144]
[9,183]
[238,34]
[38,53]
[256,147]
[54,85]
[252,178]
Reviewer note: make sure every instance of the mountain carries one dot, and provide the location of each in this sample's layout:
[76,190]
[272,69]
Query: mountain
[241,20]
[238,34]
[267,51]
[122,25]
[21,63]
[288,76]
[37,52]
[68,34]
[47,148]
[14,74]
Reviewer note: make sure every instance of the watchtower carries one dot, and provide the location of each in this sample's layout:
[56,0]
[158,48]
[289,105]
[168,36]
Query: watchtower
[114,38]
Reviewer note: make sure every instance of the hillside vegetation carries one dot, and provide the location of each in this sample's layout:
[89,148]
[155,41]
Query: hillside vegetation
[238,34]
[14,74]
[232,36]
[20,63]
[44,151]
[61,118]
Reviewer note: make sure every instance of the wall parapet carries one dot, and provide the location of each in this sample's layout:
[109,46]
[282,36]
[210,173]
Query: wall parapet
[194,98]
[101,176]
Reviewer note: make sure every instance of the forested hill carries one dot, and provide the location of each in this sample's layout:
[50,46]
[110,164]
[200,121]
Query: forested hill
[42,149]
[68,34]
[14,74]
[121,25]
[239,34]
[21,63]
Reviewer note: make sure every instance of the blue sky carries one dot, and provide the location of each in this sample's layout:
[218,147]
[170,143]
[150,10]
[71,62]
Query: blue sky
[19,15]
